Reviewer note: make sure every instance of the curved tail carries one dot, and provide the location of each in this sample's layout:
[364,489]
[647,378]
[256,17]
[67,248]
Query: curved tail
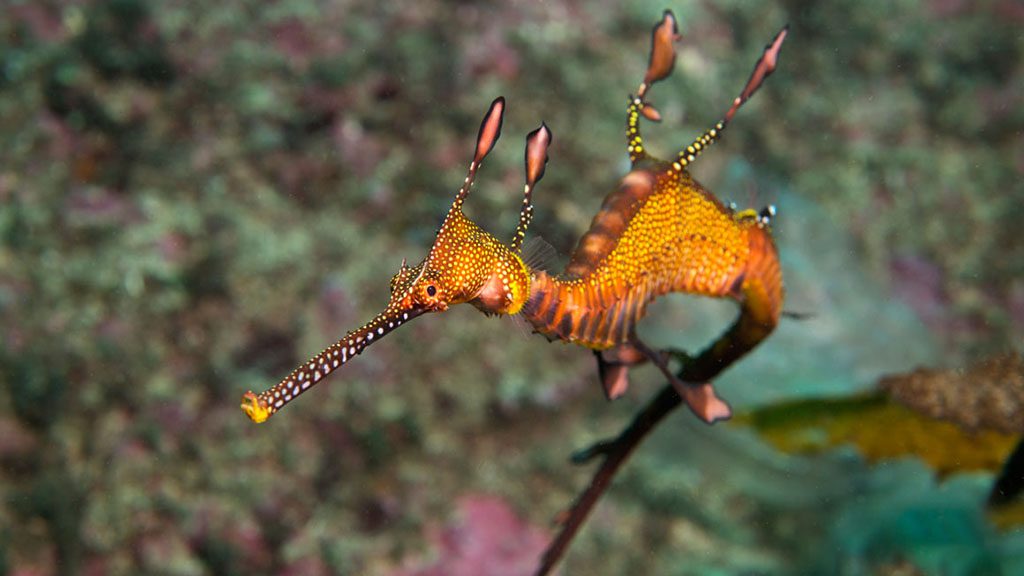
[761,298]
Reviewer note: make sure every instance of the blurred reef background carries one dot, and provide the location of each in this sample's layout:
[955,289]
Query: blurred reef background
[196,196]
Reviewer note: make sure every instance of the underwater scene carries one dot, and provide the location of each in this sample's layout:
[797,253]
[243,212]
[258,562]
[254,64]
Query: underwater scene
[793,347]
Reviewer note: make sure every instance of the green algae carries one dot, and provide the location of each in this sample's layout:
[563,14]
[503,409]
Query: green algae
[880,429]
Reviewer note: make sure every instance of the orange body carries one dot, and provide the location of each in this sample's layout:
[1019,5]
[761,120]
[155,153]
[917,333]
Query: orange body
[658,232]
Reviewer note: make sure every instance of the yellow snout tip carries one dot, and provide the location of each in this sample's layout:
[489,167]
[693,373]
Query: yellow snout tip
[254,408]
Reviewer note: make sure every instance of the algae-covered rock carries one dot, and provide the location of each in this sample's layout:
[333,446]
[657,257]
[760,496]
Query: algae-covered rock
[987,396]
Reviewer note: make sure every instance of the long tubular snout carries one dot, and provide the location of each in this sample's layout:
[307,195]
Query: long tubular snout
[263,406]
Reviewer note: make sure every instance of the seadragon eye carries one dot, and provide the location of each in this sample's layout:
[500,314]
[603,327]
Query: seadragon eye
[431,291]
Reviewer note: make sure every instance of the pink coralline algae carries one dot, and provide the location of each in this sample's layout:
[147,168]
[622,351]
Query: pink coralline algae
[486,539]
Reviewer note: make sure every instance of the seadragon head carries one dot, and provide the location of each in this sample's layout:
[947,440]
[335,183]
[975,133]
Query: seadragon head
[465,264]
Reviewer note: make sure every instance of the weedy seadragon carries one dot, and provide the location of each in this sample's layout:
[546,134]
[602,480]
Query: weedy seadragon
[659,231]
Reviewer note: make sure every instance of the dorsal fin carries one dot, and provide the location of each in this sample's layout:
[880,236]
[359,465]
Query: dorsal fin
[539,255]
